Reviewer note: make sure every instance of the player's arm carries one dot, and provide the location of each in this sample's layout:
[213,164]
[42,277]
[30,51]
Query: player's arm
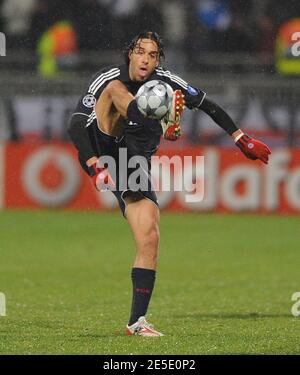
[80,137]
[251,148]
[77,128]
[80,120]
[78,132]
[219,116]
[195,99]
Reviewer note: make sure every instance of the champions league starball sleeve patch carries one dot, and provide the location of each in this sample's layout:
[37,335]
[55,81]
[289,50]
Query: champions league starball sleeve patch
[89,101]
[191,90]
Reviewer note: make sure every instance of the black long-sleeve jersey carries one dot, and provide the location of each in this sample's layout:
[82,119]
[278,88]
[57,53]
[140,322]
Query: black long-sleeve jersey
[141,139]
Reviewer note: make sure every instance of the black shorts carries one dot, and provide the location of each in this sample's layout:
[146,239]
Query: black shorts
[106,145]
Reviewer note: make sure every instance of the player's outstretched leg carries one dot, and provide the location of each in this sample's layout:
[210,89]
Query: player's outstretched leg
[120,97]
[143,218]
[171,122]
[123,101]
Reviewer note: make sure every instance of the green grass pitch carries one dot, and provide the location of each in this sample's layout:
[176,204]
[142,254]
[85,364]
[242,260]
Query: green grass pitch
[224,284]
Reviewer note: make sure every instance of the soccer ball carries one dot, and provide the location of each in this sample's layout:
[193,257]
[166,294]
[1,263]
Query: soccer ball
[154,99]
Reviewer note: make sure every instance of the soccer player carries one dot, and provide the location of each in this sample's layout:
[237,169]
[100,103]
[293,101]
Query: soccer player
[107,119]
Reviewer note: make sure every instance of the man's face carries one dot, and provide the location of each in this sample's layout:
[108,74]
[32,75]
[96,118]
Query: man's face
[143,60]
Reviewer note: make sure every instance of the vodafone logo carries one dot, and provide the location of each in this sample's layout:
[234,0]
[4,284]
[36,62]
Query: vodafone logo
[51,177]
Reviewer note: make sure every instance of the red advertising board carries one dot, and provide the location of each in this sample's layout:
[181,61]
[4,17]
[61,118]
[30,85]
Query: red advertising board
[48,175]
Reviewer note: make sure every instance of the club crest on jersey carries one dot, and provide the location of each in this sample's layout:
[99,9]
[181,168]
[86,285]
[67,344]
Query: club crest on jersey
[191,90]
[89,101]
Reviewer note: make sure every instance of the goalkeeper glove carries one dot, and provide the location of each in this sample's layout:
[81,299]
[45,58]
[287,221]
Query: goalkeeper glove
[101,177]
[170,123]
[253,148]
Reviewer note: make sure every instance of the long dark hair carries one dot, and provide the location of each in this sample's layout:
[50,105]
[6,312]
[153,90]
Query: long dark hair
[145,35]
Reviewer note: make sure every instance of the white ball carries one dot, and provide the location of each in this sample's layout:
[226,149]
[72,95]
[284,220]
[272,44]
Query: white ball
[154,99]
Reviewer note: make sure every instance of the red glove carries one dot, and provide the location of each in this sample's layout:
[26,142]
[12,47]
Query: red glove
[101,178]
[253,148]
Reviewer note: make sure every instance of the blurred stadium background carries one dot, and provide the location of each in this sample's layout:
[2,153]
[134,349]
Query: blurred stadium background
[240,53]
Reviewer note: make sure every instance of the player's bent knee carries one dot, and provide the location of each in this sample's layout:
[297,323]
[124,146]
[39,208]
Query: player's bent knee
[115,86]
[143,215]
[149,237]
[153,237]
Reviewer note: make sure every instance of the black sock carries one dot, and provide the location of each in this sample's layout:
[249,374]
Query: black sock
[134,114]
[143,283]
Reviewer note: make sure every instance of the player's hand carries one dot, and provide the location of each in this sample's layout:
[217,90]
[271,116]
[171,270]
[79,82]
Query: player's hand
[170,123]
[253,148]
[101,178]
